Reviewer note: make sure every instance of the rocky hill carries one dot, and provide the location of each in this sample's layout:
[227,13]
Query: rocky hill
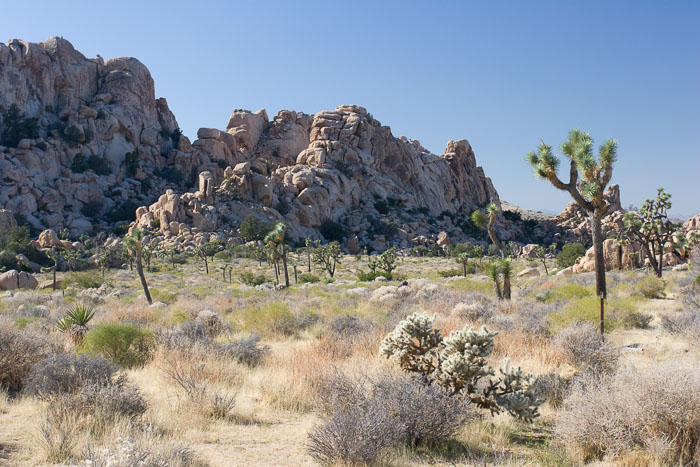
[84,143]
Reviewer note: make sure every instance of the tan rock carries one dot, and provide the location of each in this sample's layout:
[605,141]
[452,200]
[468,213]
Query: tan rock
[443,239]
[49,239]
[529,272]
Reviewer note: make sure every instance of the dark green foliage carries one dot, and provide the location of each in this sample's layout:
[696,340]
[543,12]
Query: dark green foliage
[332,231]
[569,253]
[513,216]
[15,127]
[308,278]
[637,320]
[73,136]
[254,229]
[131,163]
[450,273]
[372,275]
[97,164]
[170,174]
[283,207]
[384,227]
[92,208]
[381,206]
[124,212]
[146,186]
[469,228]
[248,278]
[18,241]
[125,344]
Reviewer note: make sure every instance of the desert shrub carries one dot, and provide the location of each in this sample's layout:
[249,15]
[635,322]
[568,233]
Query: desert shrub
[16,126]
[655,410]
[569,253]
[582,346]
[125,344]
[247,350]
[272,319]
[346,326]
[212,322]
[82,280]
[364,436]
[131,163]
[588,309]
[553,387]
[332,231]
[381,206]
[59,431]
[170,175]
[360,411]
[459,364]
[253,229]
[651,287]
[139,449]
[684,323]
[107,401]
[283,207]
[124,212]
[369,276]
[165,296]
[92,208]
[17,240]
[252,279]
[637,320]
[97,164]
[308,278]
[66,373]
[450,273]
[20,351]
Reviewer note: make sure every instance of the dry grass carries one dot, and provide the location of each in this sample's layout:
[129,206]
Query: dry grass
[203,406]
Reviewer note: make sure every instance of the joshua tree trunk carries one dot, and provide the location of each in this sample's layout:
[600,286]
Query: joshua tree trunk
[206,264]
[497,289]
[139,270]
[506,287]
[308,258]
[494,238]
[295,273]
[284,263]
[597,234]
[464,268]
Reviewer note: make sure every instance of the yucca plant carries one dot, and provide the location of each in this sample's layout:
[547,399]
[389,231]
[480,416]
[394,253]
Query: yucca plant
[75,322]
[488,220]
[495,275]
[507,273]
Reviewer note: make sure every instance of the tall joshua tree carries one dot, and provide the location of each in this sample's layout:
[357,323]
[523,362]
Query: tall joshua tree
[134,243]
[488,220]
[588,178]
[275,241]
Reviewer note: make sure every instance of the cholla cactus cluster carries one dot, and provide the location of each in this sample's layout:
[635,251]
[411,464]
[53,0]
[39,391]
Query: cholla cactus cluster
[459,364]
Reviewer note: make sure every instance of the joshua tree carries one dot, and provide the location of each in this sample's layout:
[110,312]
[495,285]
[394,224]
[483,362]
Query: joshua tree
[275,241]
[310,245]
[651,227]
[479,252]
[328,256]
[495,275]
[463,259]
[588,178]
[507,273]
[542,252]
[134,243]
[488,220]
[387,261]
[205,250]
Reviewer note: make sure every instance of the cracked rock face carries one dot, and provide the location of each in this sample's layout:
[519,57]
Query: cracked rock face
[104,144]
[337,165]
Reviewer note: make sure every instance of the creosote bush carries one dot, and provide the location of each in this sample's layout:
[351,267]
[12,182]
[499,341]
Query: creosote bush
[367,418]
[459,364]
[651,287]
[582,346]
[125,344]
[654,409]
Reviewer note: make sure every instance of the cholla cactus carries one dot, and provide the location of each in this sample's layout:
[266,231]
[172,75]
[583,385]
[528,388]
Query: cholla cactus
[414,344]
[459,364]
[463,359]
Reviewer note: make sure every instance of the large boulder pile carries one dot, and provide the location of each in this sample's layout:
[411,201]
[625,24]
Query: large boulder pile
[338,165]
[101,140]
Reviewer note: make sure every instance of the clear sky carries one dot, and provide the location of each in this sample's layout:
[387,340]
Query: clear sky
[501,74]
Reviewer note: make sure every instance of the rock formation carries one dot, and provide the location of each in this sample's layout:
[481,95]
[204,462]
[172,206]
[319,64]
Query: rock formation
[85,142]
[94,137]
[340,165]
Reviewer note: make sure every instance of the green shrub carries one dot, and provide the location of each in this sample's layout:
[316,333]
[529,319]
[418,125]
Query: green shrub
[308,278]
[381,206]
[254,229]
[82,280]
[651,287]
[588,309]
[125,344]
[92,208]
[73,136]
[372,275]
[124,212]
[17,127]
[252,279]
[163,296]
[131,163]
[637,320]
[450,273]
[170,174]
[332,231]
[271,319]
[569,254]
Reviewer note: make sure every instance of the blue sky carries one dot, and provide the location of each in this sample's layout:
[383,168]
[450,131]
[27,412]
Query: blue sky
[500,74]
